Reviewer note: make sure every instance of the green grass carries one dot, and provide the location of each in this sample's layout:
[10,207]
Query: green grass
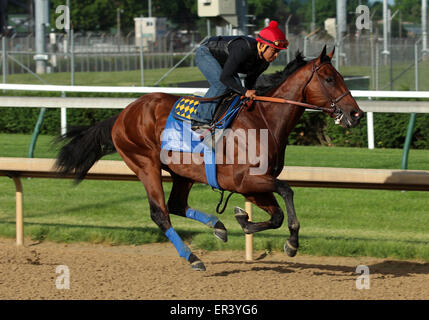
[340,222]
[120,78]
[181,74]
[405,82]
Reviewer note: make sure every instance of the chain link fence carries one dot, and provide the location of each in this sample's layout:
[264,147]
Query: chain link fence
[101,52]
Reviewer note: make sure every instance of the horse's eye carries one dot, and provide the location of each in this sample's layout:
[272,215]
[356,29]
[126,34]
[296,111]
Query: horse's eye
[329,79]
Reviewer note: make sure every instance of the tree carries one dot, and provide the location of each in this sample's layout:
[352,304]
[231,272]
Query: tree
[88,14]
[273,9]
[328,9]
[411,10]
[101,14]
[179,12]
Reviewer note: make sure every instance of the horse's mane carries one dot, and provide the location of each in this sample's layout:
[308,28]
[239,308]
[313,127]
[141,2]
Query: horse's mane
[266,82]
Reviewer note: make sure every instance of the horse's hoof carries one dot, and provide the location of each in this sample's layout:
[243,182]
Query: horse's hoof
[240,212]
[221,234]
[243,219]
[198,266]
[241,216]
[290,250]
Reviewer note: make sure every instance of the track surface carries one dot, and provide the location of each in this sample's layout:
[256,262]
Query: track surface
[156,272]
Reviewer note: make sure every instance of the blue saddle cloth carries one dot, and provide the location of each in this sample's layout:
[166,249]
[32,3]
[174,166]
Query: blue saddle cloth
[178,135]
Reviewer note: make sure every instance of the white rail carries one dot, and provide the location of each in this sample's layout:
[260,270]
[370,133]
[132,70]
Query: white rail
[100,89]
[120,103]
[368,106]
[118,89]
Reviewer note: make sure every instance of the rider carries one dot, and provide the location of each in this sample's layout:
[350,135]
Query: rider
[220,59]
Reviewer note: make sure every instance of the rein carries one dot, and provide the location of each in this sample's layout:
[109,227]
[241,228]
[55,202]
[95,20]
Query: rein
[296,103]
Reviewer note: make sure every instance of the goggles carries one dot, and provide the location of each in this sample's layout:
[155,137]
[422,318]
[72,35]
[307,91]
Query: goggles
[278,43]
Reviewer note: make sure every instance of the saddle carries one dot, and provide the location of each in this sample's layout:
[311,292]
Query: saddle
[225,112]
[221,110]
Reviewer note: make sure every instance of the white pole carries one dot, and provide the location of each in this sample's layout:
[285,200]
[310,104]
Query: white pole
[63,120]
[72,56]
[19,212]
[66,48]
[416,64]
[4,59]
[341,29]
[40,20]
[370,129]
[208,27]
[287,36]
[424,24]
[141,55]
[249,237]
[385,30]
[341,18]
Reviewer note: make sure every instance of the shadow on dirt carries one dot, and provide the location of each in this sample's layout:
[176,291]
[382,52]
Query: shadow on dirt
[385,268]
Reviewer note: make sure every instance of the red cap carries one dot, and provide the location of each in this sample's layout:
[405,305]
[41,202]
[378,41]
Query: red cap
[273,36]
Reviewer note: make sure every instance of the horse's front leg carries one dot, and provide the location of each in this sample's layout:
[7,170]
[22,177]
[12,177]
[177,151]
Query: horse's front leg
[284,190]
[267,202]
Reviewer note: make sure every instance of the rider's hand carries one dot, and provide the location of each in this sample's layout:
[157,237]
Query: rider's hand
[250,94]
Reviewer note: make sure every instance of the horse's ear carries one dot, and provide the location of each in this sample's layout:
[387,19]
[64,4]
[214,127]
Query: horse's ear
[331,54]
[322,55]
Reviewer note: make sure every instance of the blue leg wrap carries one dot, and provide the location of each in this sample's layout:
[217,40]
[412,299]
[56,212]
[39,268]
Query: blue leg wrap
[203,217]
[181,247]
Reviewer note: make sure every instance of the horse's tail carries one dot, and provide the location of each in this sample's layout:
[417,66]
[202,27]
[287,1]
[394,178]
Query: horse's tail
[84,145]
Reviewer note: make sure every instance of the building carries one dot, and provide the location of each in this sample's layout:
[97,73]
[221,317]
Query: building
[149,30]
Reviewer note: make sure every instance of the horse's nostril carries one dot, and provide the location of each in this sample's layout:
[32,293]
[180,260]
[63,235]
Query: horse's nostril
[355,114]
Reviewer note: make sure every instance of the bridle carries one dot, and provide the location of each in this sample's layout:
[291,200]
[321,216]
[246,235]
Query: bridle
[333,108]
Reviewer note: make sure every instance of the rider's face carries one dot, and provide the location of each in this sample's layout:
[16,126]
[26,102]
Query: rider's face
[270,54]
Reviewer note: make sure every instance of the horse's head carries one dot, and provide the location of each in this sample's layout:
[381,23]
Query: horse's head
[326,88]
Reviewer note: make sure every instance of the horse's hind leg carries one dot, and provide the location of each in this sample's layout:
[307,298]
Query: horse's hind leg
[178,204]
[149,174]
[291,245]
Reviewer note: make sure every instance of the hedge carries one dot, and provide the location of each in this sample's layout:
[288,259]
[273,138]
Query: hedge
[23,120]
[390,130]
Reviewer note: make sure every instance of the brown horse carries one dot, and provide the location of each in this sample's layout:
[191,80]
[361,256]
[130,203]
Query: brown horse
[136,134]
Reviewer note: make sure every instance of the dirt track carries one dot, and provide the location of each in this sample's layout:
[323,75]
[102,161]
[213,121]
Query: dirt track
[156,272]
